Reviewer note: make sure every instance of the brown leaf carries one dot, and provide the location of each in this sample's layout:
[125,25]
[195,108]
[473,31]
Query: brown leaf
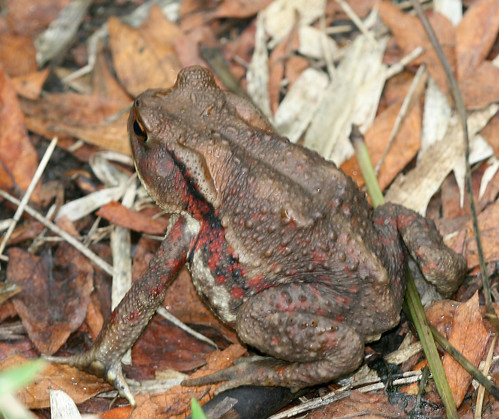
[30,85]
[177,400]
[143,59]
[73,108]
[469,336]
[125,217]
[488,221]
[53,302]
[441,315]
[165,346]
[479,87]
[491,133]
[108,135]
[475,35]
[105,84]
[79,385]
[451,199]
[28,17]
[18,159]
[357,405]
[240,8]
[405,145]
[17,55]
[409,34]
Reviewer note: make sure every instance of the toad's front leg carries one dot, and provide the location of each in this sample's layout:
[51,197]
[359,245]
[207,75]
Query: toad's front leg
[134,312]
[290,323]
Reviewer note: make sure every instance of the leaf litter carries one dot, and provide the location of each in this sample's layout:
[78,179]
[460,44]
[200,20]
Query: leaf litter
[304,61]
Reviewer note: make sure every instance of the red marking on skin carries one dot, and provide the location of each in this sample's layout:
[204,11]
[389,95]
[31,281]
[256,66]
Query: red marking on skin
[281,249]
[221,279]
[177,232]
[314,290]
[155,291]
[273,266]
[255,281]
[321,312]
[281,370]
[114,317]
[274,341]
[405,220]
[339,318]
[346,208]
[133,316]
[319,257]
[387,241]
[354,289]
[237,292]
[343,300]
[331,341]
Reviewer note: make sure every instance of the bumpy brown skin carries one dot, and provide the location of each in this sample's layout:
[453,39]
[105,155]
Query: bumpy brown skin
[281,244]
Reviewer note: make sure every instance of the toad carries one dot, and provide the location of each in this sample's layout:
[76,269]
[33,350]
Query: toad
[280,243]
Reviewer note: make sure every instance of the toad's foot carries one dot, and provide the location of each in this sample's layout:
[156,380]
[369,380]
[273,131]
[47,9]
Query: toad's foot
[133,313]
[263,372]
[110,370]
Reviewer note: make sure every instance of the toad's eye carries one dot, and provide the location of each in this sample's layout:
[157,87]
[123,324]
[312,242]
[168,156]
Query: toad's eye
[139,130]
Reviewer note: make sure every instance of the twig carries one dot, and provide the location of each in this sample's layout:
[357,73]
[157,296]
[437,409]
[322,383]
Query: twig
[36,177]
[357,21]
[481,390]
[101,263]
[399,66]
[408,100]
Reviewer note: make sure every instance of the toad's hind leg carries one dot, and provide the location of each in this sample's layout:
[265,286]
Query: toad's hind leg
[309,348]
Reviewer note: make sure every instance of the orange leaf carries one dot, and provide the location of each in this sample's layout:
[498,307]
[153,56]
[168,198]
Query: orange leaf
[475,35]
[409,34]
[79,385]
[140,60]
[125,217]
[469,336]
[402,151]
[177,400]
[18,159]
[479,87]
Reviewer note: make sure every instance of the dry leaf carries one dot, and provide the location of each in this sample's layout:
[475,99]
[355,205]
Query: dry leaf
[30,85]
[165,346]
[122,216]
[469,336]
[28,17]
[17,55]
[140,61]
[240,8]
[404,147]
[475,35]
[300,104]
[357,405]
[488,221]
[415,189]
[177,400]
[409,34]
[18,159]
[54,302]
[480,87]
[351,97]
[79,385]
